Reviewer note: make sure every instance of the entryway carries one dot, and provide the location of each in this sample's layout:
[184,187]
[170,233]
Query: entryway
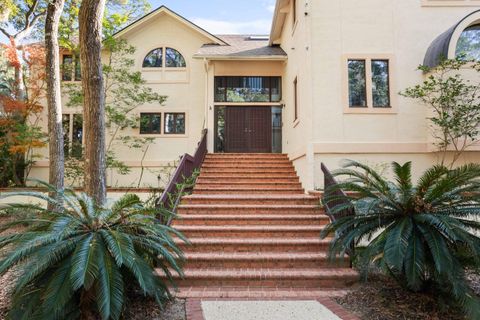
[248,129]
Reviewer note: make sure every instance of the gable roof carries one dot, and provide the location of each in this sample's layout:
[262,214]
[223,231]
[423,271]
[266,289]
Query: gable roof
[279,16]
[173,14]
[242,47]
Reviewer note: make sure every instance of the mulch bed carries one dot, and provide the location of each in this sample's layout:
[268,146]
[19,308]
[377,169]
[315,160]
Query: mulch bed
[382,299]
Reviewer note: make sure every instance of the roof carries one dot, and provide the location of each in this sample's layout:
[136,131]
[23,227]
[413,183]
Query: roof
[439,49]
[242,47]
[166,10]
[279,15]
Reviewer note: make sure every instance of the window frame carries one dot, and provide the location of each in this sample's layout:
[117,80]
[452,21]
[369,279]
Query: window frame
[164,60]
[73,76]
[369,109]
[150,114]
[68,144]
[267,79]
[175,133]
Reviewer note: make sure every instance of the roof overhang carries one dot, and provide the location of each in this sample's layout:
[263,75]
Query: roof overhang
[445,45]
[164,10]
[281,10]
[241,58]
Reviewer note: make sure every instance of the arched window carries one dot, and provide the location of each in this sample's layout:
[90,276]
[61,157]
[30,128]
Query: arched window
[154,59]
[173,59]
[157,59]
[468,44]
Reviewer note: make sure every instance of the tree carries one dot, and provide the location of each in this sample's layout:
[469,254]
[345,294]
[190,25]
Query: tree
[415,232]
[455,102]
[54,95]
[90,21]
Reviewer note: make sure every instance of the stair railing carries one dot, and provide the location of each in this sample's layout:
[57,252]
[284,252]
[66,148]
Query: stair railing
[333,196]
[185,169]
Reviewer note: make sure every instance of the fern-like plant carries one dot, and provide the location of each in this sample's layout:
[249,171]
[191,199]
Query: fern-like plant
[79,261]
[414,231]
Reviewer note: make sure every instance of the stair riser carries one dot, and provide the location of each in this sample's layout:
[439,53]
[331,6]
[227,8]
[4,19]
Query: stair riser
[251,234]
[239,264]
[285,201]
[245,156]
[205,180]
[224,183]
[249,222]
[253,191]
[255,248]
[269,283]
[217,211]
[248,161]
[253,171]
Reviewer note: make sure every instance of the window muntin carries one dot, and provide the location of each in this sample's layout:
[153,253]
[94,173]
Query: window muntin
[357,84]
[150,123]
[174,123]
[380,84]
[248,89]
[174,59]
[468,45]
[154,59]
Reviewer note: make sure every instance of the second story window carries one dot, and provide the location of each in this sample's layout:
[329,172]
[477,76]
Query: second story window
[164,57]
[73,135]
[71,70]
[248,89]
[369,83]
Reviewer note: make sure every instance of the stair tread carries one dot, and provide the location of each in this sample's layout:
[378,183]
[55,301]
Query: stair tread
[250,196]
[247,206]
[256,240]
[253,217]
[255,255]
[249,228]
[269,273]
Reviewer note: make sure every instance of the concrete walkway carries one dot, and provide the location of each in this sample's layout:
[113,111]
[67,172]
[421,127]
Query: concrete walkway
[266,310]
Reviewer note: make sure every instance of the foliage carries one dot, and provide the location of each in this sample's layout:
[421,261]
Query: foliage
[415,232]
[125,92]
[82,259]
[20,132]
[455,102]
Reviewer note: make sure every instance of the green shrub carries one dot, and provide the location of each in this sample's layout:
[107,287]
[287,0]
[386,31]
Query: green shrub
[79,260]
[416,232]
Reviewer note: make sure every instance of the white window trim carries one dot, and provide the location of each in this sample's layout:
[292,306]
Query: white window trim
[368,63]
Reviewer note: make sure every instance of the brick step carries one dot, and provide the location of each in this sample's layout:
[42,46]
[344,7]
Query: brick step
[233,165]
[246,178]
[250,219]
[300,199]
[248,231]
[226,209]
[245,156]
[259,293]
[249,190]
[253,169]
[258,162]
[254,183]
[299,260]
[279,277]
[232,244]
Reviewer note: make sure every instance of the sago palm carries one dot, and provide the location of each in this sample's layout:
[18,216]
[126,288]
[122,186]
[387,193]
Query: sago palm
[415,231]
[79,260]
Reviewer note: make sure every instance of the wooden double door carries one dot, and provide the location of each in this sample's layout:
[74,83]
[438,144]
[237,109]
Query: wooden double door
[248,130]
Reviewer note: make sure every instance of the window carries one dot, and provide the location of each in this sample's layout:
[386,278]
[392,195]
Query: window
[357,84]
[294,12]
[295,99]
[71,68]
[73,135]
[150,123]
[157,59]
[468,46]
[248,89]
[368,84]
[174,123]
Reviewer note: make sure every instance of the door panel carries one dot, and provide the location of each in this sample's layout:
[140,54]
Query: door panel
[248,129]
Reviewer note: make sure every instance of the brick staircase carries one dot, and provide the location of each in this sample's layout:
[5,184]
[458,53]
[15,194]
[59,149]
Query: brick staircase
[255,233]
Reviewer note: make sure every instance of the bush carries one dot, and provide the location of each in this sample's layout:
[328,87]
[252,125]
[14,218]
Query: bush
[416,232]
[79,260]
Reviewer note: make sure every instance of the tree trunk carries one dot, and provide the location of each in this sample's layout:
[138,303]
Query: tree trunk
[54,96]
[90,20]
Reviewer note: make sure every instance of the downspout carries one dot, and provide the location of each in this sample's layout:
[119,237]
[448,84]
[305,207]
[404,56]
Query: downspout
[205,119]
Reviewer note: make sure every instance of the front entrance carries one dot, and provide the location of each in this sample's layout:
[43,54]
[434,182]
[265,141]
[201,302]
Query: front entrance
[248,129]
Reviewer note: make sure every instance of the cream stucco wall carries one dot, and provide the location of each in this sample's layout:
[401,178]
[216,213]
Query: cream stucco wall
[330,32]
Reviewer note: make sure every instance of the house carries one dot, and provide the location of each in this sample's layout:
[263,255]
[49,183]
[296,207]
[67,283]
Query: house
[320,88]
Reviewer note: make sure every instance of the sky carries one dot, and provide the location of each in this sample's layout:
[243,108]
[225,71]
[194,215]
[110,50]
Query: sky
[225,16]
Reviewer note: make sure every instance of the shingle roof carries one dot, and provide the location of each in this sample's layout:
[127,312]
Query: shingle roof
[242,46]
